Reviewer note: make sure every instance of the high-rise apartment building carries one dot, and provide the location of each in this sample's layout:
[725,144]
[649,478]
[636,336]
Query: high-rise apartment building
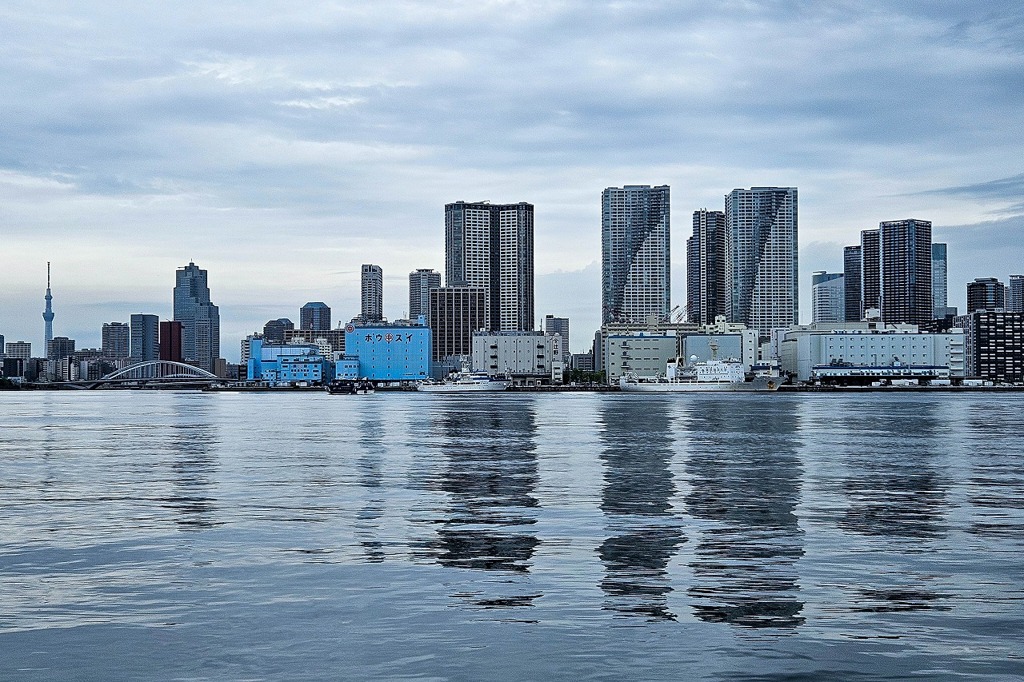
[454,314]
[940,287]
[115,339]
[828,297]
[1015,297]
[199,317]
[60,347]
[315,315]
[145,337]
[635,253]
[986,293]
[372,289]
[559,326]
[762,269]
[706,254]
[870,271]
[851,284]
[905,282]
[491,246]
[993,345]
[420,283]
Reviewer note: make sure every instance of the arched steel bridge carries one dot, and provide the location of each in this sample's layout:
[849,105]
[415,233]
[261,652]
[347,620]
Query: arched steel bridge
[152,372]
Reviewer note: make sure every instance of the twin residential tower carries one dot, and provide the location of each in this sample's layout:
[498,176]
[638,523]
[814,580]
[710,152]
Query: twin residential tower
[741,263]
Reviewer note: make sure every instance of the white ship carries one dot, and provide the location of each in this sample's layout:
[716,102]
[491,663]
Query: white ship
[709,375]
[465,381]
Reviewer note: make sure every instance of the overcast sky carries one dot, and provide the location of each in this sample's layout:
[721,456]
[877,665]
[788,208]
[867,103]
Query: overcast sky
[279,145]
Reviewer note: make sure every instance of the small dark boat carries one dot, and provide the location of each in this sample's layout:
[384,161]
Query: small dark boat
[350,387]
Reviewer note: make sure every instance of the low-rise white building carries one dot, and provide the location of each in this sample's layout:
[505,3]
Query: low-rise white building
[801,349]
[526,357]
[645,354]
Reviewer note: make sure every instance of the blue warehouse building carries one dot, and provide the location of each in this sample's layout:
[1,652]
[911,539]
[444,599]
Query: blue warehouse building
[279,364]
[390,352]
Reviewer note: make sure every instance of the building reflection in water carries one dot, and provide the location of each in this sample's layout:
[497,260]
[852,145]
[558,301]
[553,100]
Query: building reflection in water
[490,477]
[745,478]
[637,502]
[996,477]
[895,492]
[371,478]
[192,438]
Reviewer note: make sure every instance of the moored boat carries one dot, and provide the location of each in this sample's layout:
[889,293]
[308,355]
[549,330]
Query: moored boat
[465,381]
[699,376]
[350,387]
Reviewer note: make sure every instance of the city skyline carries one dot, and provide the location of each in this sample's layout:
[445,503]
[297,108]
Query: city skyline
[335,142]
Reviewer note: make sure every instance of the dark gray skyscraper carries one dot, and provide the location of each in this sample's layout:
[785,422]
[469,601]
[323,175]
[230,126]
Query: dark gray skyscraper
[145,337]
[905,284]
[636,263]
[986,293]
[491,246]
[870,270]
[200,319]
[315,315]
[372,294]
[761,224]
[705,267]
[273,330]
[852,283]
[420,283]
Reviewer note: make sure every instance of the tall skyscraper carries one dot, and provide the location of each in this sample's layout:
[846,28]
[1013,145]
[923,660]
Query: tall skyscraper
[705,267]
[315,315]
[559,326]
[420,283]
[761,228]
[170,341]
[455,313]
[200,319]
[48,311]
[372,294]
[1015,299]
[939,284]
[635,253]
[491,246]
[986,293]
[851,284]
[828,297]
[870,270]
[115,339]
[905,284]
[145,337]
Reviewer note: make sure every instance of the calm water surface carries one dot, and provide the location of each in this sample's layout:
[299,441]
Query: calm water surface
[173,535]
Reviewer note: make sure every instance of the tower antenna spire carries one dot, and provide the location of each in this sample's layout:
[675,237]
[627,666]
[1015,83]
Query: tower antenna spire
[48,312]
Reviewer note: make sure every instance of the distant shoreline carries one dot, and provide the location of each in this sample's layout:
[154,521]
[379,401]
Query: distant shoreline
[786,388]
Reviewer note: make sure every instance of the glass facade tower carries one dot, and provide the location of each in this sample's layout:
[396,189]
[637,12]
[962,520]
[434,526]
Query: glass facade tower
[200,319]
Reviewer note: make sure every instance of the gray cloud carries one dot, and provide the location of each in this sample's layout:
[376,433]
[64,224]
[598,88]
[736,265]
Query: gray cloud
[277,144]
